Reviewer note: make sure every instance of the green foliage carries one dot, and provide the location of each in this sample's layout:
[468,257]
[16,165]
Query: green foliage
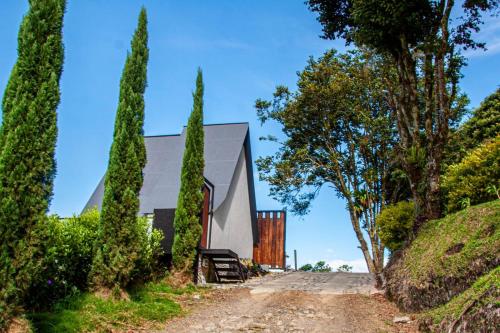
[149,307]
[471,181]
[338,132]
[423,40]
[149,265]
[344,268]
[395,224]
[27,145]
[484,123]
[320,266]
[189,203]
[460,247]
[306,268]
[482,126]
[118,248]
[483,293]
[389,25]
[68,245]
[476,227]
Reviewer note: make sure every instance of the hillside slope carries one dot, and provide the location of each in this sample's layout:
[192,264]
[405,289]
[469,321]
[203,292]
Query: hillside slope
[446,258]
[475,310]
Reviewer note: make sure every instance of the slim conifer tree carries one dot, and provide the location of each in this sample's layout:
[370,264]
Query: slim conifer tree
[189,203]
[27,145]
[118,248]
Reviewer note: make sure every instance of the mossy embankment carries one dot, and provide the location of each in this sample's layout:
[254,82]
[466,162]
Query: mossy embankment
[474,310]
[446,258]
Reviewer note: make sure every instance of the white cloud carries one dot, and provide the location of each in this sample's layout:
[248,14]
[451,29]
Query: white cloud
[489,34]
[492,47]
[358,265]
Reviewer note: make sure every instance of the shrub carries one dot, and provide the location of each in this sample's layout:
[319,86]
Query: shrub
[148,265]
[344,268]
[306,268]
[69,245]
[320,266]
[395,223]
[470,181]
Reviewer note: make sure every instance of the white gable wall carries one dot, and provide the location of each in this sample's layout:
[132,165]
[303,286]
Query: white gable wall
[232,223]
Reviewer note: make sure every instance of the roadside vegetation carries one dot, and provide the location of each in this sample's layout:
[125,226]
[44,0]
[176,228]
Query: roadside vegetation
[320,267]
[97,271]
[187,214]
[148,308]
[446,258]
[473,310]
[382,124]
[117,248]
[425,186]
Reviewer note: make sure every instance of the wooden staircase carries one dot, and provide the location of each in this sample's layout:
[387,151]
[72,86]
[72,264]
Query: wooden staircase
[226,264]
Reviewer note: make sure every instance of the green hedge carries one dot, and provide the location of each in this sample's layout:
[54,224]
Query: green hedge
[395,223]
[475,179]
[68,246]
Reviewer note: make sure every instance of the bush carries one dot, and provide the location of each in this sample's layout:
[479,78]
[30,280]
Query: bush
[471,181]
[344,268]
[395,223]
[306,268]
[68,246]
[149,265]
[320,266]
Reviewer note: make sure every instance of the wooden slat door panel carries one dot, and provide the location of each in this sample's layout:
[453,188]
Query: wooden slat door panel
[271,247]
[205,217]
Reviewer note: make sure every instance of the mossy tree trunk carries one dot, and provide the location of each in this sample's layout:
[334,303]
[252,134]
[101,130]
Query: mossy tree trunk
[118,248]
[189,204]
[27,145]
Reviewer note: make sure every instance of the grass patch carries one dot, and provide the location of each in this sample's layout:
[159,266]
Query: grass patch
[150,306]
[450,245]
[484,291]
[446,258]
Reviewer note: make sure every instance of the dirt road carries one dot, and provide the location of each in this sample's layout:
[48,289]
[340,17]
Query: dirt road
[295,302]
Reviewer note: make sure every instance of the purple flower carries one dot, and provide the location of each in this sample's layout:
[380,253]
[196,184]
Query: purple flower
[49,282]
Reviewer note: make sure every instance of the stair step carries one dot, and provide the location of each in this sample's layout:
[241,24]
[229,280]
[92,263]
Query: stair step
[224,260]
[228,272]
[230,277]
[227,269]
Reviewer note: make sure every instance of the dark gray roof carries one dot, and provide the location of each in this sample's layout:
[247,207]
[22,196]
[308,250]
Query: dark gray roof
[223,145]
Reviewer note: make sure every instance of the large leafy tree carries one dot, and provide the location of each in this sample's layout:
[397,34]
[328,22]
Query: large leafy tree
[28,140]
[483,125]
[119,247]
[338,132]
[424,46]
[189,203]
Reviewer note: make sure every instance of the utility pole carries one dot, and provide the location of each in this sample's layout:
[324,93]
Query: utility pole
[295,258]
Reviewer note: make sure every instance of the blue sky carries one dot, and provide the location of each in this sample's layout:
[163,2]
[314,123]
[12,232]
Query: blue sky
[245,49]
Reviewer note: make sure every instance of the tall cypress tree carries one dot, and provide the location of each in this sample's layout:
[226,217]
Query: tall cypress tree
[118,248]
[27,145]
[189,203]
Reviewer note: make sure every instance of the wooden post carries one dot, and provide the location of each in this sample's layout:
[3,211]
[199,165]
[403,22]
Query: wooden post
[295,258]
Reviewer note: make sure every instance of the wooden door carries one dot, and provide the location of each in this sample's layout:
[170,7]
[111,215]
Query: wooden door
[271,247]
[205,217]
